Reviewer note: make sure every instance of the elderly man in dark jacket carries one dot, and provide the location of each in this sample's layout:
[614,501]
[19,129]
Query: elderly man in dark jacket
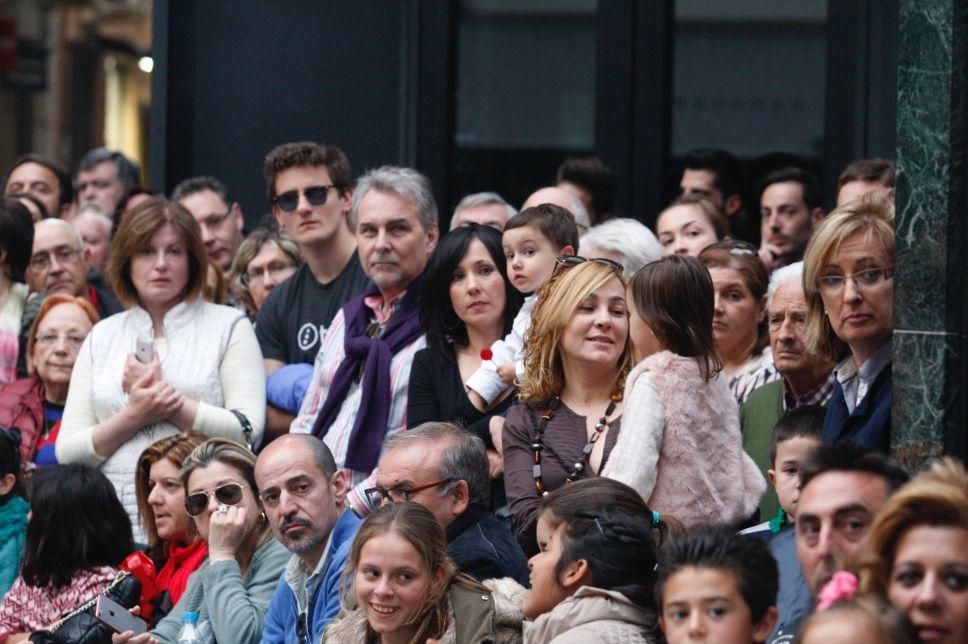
[445,469]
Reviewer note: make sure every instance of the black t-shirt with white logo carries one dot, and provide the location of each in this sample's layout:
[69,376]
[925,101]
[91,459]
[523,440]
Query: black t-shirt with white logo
[296,314]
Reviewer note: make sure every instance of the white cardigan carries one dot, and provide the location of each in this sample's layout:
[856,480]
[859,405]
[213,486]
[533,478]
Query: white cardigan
[208,353]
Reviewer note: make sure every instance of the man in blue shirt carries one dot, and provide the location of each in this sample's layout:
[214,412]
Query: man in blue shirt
[303,496]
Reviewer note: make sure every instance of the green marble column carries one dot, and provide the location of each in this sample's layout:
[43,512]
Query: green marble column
[930,284]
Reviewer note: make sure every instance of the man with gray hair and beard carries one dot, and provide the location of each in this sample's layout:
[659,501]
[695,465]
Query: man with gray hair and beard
[302,493]
[444,468]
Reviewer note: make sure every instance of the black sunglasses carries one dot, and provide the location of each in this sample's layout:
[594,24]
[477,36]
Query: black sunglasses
[227,494]
[574,260]
[315,195]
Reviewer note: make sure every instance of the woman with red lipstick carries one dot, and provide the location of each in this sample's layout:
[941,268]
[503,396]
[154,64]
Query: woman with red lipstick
[848,281]
[739,316]
[169,364]
[577,355]
[477,311]
[403,589]
[173,542]
[916,553]
[35,404]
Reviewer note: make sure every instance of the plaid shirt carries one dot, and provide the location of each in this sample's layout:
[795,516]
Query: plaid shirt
[819,395]
[331,354]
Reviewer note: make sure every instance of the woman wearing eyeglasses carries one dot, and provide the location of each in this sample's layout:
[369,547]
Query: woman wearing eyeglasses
[265,259]
[169,364]
[233,588]
[36,404]
[848,281]
[739,316]
[577,355]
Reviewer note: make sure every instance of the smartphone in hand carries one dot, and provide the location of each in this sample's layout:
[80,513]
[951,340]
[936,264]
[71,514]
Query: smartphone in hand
[118,617]
[143,351]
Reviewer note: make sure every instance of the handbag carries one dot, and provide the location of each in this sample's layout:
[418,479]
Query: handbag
[80,626]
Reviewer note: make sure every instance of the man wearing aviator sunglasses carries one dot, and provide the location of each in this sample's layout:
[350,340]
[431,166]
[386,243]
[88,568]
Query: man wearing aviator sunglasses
[308,186]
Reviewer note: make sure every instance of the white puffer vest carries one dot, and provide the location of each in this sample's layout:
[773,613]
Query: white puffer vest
[197,335]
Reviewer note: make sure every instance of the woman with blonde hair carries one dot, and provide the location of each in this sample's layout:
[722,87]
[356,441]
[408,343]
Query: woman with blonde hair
[401,587]
[577,355]
[848,282]
[267,257]
[916,553]
[171,363]
[233,588]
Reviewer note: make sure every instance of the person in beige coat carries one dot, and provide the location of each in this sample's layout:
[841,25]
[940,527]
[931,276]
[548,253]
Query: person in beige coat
[591,582]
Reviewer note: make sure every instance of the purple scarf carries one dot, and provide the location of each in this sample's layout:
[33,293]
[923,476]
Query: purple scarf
[371,359]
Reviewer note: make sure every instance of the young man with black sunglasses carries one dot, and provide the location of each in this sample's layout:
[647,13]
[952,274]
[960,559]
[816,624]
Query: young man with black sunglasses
[309,187]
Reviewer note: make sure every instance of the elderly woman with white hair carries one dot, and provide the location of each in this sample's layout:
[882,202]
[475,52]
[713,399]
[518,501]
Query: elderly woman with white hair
[623,240]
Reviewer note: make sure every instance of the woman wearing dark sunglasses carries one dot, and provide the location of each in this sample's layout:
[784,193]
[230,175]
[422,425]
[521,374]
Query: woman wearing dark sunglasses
[170,363]
[233,588]
[577,355]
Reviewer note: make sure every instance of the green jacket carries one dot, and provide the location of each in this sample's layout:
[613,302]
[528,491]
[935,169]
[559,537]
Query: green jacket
[757,417]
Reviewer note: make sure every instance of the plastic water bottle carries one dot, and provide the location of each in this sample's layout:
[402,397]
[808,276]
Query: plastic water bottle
[189,632]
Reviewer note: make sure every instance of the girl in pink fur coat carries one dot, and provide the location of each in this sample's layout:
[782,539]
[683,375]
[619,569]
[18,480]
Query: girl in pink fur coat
[681,447]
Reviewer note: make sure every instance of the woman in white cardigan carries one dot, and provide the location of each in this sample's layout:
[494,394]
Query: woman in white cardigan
[681,447]
[200,366]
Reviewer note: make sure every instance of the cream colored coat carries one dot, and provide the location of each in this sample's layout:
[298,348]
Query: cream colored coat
[593,616]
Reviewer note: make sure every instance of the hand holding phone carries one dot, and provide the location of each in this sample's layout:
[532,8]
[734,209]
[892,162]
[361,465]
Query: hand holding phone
[118,617]
[144,350]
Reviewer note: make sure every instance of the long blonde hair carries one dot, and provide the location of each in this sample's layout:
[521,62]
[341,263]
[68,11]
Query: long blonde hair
[558,300]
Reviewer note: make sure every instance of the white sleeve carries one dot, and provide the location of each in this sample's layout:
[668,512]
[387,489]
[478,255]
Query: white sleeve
[485,381]
[635,457]
[243,389]
[75,441]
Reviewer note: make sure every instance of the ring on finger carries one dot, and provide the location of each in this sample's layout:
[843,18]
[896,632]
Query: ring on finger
[222,509]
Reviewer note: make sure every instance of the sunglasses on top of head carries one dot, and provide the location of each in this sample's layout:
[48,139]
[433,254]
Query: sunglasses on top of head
[567,261]
[226,494]
[315,195]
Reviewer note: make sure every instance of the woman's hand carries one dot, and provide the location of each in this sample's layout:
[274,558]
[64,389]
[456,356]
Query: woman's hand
[135,370]
[152,400]
[495,464]
[496,428]
[128,637]
[226,532]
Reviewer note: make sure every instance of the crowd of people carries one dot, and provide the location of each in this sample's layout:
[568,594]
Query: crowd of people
[543,425]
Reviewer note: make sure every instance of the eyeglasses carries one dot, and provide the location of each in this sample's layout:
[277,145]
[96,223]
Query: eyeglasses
[228,494]
[64,255]
[273,270]
[735,247]
[864,280]
[214,221]
[315,195]
[574,260]
[50,339]
[376,495]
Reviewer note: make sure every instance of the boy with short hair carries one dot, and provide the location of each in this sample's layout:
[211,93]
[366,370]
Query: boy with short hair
[715,586]
[533,239]
[795,435]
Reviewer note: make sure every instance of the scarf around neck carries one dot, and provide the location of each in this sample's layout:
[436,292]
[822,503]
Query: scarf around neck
[370,359]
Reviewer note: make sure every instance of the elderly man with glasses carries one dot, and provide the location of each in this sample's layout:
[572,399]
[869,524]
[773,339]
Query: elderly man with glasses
[444,469]
[57,266]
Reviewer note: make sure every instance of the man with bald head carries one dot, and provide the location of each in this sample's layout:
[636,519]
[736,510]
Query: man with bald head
[303,494]
[57,266]
[565,199]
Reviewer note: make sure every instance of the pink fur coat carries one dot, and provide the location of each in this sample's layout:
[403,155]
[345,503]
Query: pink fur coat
[680,445]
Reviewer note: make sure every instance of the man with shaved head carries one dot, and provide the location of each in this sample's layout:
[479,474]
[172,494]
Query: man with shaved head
[565,199]
[303,495]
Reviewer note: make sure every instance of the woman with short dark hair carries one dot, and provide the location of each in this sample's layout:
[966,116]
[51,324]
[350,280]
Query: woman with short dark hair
[77,535]
[171,363]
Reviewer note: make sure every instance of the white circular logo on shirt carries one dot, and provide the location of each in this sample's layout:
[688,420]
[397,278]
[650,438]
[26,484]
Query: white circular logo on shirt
[308,336]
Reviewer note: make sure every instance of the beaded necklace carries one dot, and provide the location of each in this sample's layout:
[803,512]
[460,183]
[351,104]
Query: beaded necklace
[537,445]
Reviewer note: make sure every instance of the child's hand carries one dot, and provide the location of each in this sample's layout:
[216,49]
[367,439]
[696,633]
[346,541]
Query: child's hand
[506,371]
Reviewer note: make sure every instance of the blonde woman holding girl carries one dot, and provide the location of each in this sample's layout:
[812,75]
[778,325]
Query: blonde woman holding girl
[681,448]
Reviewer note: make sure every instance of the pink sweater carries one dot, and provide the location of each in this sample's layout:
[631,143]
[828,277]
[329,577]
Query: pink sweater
[680,445]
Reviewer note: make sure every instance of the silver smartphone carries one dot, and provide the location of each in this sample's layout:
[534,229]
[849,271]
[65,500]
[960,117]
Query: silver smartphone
[118,617]
[143,350]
